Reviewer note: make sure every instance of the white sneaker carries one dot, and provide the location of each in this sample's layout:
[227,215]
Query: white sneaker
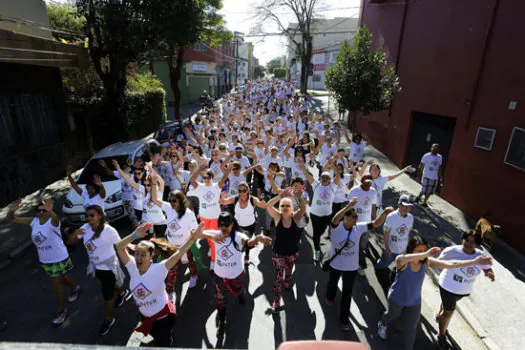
[381,330]
[212,265]
[193,281]
[173,298]
[361,272]
[317,256]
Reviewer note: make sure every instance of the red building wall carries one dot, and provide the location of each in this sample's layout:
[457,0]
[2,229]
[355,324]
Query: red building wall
[217,54]
[460,59]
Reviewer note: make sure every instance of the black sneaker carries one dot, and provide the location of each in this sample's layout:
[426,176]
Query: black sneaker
[122,297]
[106,326]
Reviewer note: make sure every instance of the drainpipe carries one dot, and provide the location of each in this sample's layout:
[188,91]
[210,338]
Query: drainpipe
[399,47]
[481,69]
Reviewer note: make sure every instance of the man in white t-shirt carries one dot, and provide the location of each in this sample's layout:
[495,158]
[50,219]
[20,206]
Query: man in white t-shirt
[430,173]
[396,232]
[366,209]
[454,284]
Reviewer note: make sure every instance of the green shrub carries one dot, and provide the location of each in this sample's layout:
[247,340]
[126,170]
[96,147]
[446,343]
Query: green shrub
[279,72]
[144,111]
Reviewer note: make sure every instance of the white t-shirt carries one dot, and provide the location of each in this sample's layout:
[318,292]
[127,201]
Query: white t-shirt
[295,202]
[297,169]
[459,281]
[208,199]
[127,189]
[150,211]
[326,151]
[245,162]
[228,260]
[432,163]
[399,228]
[48,242]
[101,248]
[269,159]
[348,259]
[178,230]
[357,150]
[149,290]
[234,181]
[342,189]
[95,200]
[217,170]
[268,185]
[379,184]
[364,205]
[323,198]
[138,197]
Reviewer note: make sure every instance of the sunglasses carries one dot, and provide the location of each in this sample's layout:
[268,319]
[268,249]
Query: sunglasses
[137,173]
[40,211]
[285,205]
[236,169]
[174,156]
[243,191]
[147,185]
[173,200]
[206,177]
[222,148]
[224,224]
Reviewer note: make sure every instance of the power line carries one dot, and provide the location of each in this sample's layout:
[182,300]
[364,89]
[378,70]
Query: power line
[297,34]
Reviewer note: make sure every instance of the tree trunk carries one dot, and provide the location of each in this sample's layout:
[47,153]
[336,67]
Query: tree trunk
[307,57]
[152,67]
[175,69]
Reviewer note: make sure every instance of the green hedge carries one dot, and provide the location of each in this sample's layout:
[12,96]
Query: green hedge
[279,72]
[144,111]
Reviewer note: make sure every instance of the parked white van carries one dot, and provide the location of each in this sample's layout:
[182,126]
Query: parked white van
[74,212]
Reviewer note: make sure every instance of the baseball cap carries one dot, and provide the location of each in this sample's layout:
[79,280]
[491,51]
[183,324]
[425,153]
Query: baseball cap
[406,200]
[166,145]
[239,148]
[326,173]
[235,125]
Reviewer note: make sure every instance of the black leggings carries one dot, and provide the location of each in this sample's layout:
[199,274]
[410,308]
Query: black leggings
[162,331]
[107,283]
[346,297]
[319,224]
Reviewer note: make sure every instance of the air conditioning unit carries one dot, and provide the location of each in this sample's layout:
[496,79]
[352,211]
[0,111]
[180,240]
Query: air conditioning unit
[485,138]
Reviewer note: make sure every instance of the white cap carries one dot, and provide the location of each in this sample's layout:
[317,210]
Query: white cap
[326,173]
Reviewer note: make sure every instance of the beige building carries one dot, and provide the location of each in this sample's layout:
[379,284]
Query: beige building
[329,34]
[27,17]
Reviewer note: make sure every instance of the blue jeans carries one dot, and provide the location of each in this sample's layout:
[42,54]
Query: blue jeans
[385,261]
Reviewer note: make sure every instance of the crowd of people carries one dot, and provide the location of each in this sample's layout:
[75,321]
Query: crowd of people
[259,150]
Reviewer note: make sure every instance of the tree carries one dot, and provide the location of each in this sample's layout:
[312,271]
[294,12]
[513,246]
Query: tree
[279,72]
[258,72]
[275,63]
[362,80]
[64,20]
[299,33]
[180,24]
[118,33]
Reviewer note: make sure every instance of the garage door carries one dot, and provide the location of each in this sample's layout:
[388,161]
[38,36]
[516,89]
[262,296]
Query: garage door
[197,84]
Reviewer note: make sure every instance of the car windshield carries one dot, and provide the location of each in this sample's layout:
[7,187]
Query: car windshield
[93,167]
[162,133]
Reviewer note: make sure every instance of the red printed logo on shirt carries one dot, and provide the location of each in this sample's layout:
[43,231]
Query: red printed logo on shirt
[140,291]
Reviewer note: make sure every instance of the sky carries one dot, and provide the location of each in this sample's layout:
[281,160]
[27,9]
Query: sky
[239,17]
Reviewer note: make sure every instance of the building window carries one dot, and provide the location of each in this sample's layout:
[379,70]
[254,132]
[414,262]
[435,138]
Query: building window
[316,78]
[515,155]
[333,55]
[200,46]
[485,138]
[318,58]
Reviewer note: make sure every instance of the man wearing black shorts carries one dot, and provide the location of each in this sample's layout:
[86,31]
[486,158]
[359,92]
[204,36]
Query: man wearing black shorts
[455,284]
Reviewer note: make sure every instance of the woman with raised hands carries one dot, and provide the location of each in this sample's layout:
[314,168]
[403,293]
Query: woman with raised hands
[99,238]
[286,243]
[404,296]
[52,253]
[147,282]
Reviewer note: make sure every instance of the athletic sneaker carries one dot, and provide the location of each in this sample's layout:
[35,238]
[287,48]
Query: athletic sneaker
[60,317]
[345,327]
[193,281]
[328,302]
[106,326]
[317,255]
[73,296]
[173,298]
[381,330]
[122,297]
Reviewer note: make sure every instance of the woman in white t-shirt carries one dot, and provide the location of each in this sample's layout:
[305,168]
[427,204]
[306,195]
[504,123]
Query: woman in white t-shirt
[99,239]
[93,194]
[229,268]
[344,255]
[147,282]
[357,148]
[180,221]
[52,253]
